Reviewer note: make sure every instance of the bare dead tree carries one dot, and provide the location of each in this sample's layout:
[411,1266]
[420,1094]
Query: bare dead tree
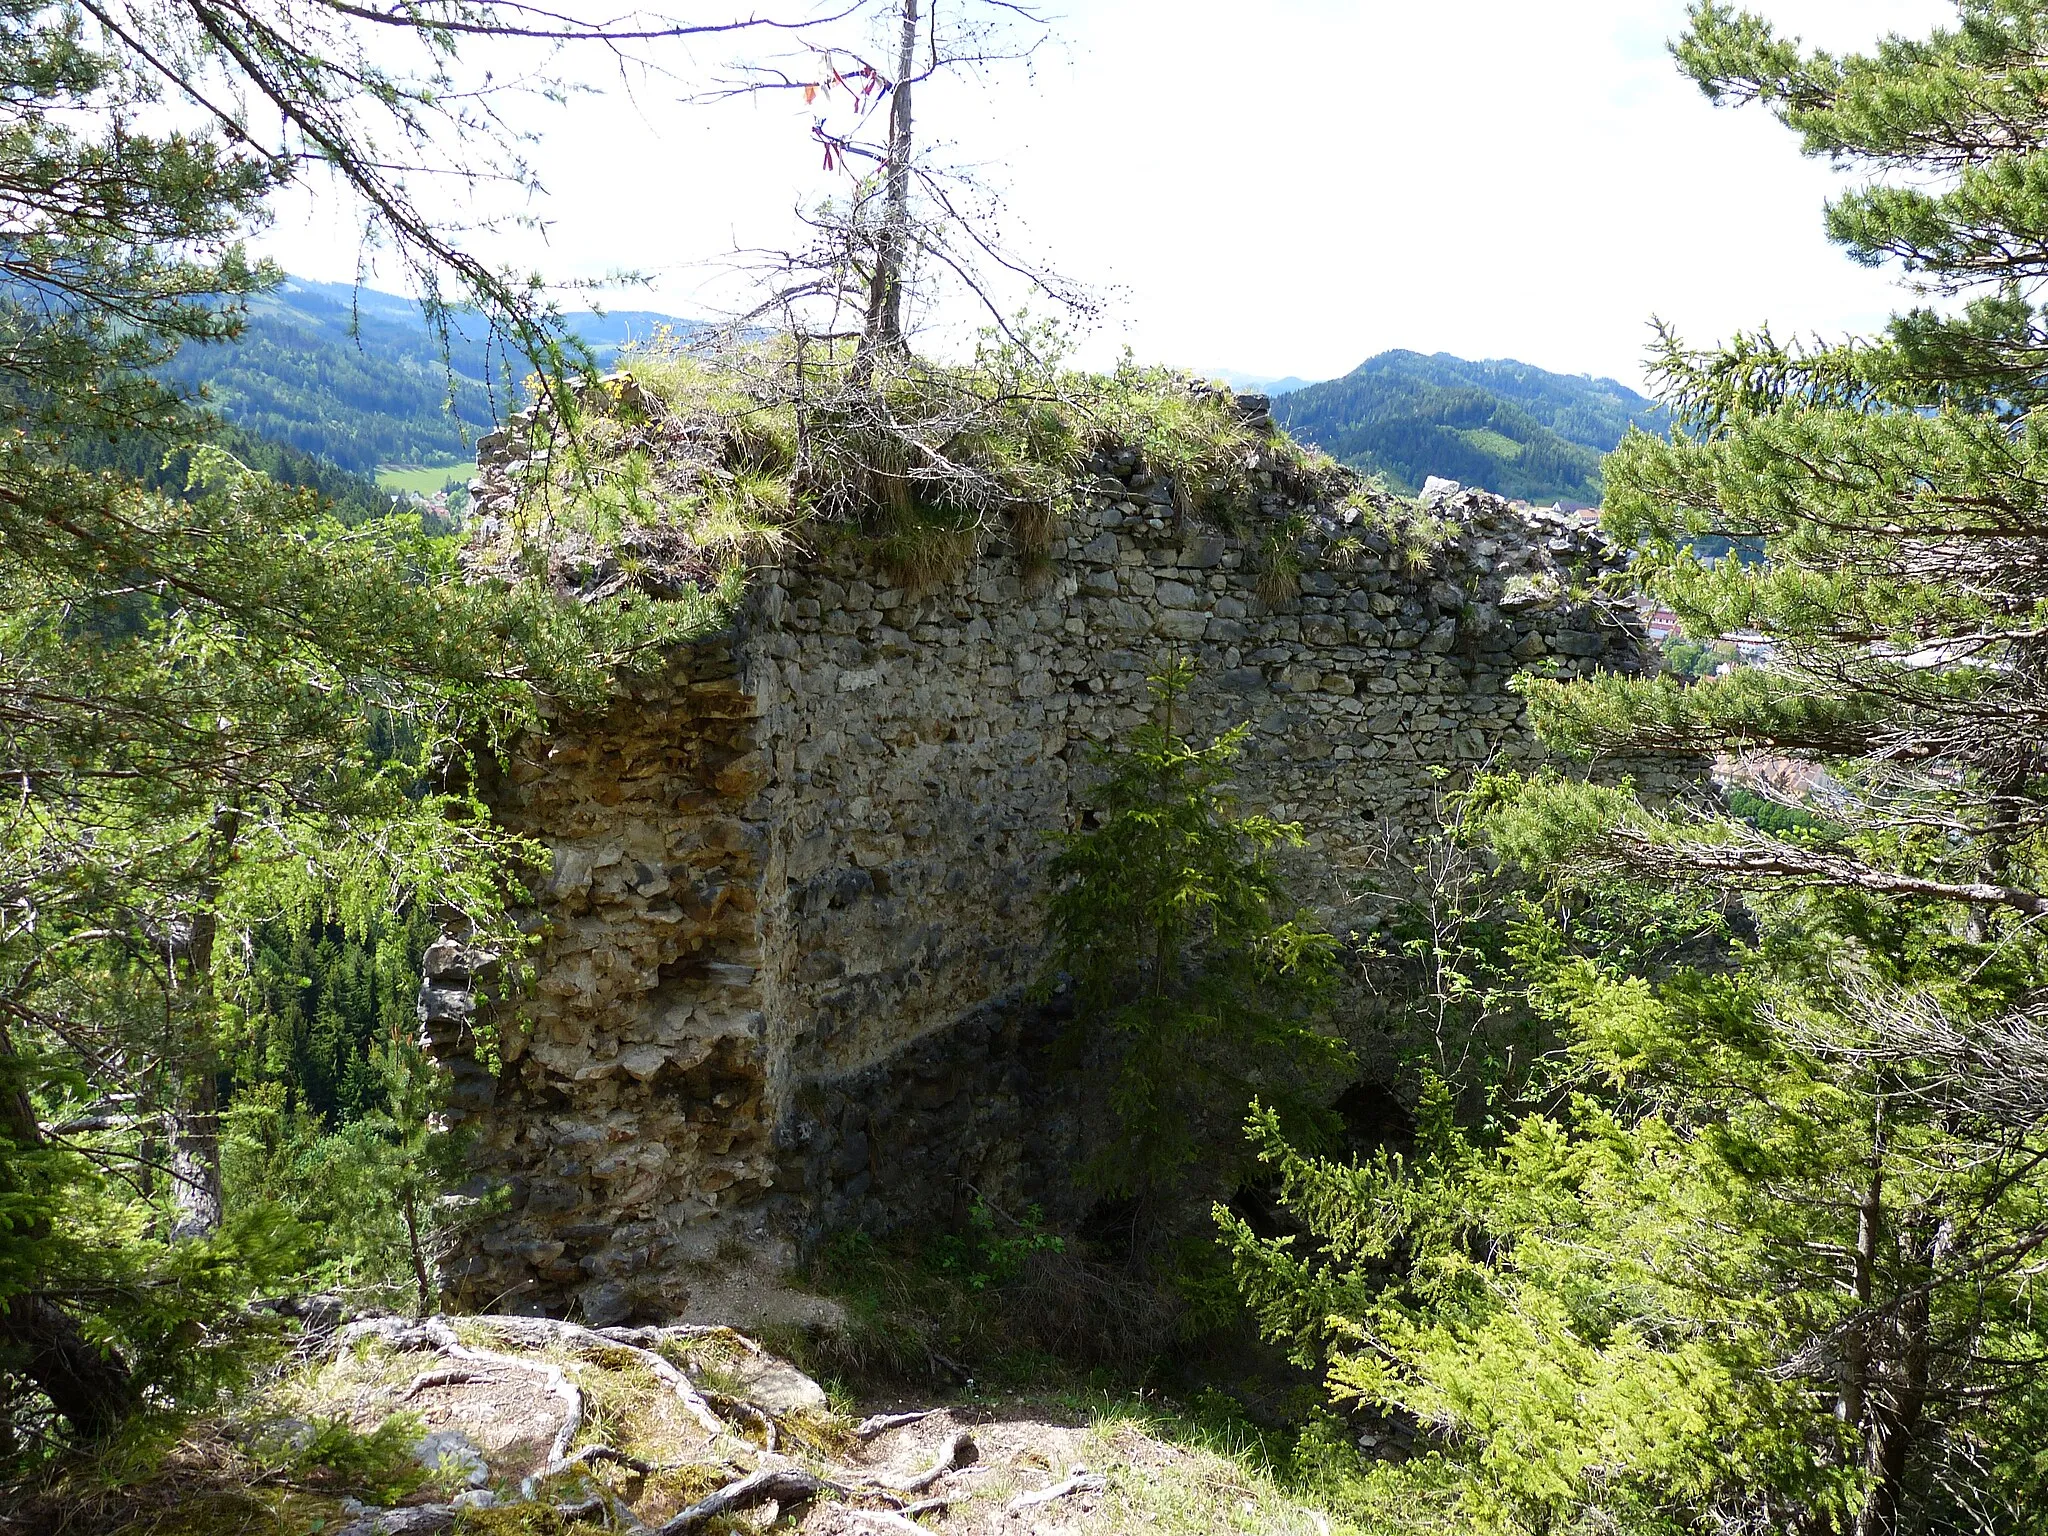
[1993,1071]
[908,226]
[885,296]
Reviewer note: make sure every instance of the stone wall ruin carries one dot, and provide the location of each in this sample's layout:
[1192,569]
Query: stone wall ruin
[799,873]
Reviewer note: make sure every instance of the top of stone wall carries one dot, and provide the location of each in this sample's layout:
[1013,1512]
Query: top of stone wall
[1301,513]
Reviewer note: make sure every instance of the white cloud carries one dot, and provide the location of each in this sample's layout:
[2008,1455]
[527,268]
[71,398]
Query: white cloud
[1291,187]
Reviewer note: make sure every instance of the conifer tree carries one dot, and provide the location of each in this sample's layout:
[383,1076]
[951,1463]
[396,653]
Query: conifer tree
[221,706]
[1187,960]
[1767,1256]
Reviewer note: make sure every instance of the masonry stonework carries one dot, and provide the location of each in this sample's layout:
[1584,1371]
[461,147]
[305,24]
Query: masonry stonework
[796,904]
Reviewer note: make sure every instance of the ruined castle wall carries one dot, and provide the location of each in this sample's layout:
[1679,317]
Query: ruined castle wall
[798,879]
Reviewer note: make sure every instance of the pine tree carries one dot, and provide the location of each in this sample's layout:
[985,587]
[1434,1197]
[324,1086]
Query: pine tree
[221,706]
[1756,1259]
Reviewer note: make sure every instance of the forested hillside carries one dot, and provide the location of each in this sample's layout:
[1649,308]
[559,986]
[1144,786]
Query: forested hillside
[358,378]
[167,468]
[1506,426]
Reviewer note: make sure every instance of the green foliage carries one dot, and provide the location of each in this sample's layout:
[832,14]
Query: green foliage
[382,397]
[1219,462]
[939,1305]
[993,1249]
[1514,429]
[700,463]
[169,466]
[1760,1264]
[425,479]
[1628,1310]
[380,1466]
[316,1001]
[1749,708]
[234,716]
[1770,816]
[72,1225]
[1694,660]
[1170,917]
[371,1188]
[1437,952]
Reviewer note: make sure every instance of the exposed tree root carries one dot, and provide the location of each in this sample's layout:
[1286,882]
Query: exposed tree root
[1079,1480]
[653,1338]
[888,1520]
[450,1376]
[958,1452]
[431,1519]
[882,1423]
[739,1407]
[539,1332]
[612,1454]
[782,1483]
[434,1334]
[786,1486]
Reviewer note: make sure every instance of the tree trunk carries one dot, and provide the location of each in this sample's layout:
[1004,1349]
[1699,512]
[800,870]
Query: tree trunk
[415,1247]
[195,1130]
[195,1155]
[884,330]
[91,1387]
[1851,1404]
[1896,1412]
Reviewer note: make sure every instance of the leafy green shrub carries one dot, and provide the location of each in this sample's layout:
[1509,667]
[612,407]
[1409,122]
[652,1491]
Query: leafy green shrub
[1614,1307]
[1771,816]
[994,1247]
[369,1188]
[1695,659]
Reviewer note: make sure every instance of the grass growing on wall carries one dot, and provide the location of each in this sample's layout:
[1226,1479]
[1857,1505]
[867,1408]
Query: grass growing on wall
[688,466]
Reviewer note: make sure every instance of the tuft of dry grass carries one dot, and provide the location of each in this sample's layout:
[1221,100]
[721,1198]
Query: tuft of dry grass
[1183,1490]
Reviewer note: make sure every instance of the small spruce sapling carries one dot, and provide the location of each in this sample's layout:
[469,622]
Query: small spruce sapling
[1206,984]
[422,1156]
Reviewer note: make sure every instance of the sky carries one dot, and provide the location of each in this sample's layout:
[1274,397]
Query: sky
[1284,188]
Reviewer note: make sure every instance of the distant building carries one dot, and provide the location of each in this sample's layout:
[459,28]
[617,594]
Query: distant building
[1662,623]
[1752,647]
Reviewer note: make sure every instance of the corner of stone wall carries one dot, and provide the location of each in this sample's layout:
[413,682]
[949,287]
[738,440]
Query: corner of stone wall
[796,904]
[632,1105]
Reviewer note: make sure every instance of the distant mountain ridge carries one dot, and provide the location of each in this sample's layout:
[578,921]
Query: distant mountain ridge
[1507,426]
[356,377]
[1258,383]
